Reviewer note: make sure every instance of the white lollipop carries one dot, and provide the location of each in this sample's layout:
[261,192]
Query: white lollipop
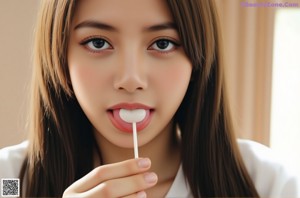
[133,116]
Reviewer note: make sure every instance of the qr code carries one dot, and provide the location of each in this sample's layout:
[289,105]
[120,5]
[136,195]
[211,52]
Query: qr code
[10,187]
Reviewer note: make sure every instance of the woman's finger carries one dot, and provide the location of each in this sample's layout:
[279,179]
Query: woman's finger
[110,172]
[141,194]
[121,187]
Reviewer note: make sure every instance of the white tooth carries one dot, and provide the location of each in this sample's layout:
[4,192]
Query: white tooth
[132,116]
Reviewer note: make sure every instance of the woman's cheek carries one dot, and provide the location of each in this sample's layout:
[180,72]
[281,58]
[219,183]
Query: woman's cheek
[86,81]
[171,82]
[174,79]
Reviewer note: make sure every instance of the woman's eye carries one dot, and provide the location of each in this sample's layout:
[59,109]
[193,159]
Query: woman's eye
[97,44]
[163,45]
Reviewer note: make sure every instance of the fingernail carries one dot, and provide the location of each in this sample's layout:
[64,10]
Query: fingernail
[144,163]
[141,194]
[150,177]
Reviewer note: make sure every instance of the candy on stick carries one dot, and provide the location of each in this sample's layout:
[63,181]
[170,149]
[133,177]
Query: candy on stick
[133,116]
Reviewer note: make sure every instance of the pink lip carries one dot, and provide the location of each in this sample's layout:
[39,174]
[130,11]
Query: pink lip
[113,114]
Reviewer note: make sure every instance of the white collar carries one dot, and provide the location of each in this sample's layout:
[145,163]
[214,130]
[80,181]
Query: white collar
[180,187]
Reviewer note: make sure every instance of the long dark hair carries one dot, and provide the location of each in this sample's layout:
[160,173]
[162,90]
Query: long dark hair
[210,157]
[61,136]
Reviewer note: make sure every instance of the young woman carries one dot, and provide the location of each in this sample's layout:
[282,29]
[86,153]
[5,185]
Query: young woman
[95,57]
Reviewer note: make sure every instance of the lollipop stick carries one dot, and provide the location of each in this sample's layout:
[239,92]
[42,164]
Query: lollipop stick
[135,142]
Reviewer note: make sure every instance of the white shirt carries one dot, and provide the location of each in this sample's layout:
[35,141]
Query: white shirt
[271,178]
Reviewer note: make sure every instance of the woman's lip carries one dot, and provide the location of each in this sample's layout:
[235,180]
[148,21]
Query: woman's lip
[130,106]
[114,116]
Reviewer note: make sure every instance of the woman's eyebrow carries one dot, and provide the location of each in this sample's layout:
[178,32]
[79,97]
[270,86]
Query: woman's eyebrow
[161,26]
[104,26]
[95,24]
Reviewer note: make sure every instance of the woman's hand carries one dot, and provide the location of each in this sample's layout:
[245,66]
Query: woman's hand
[124,179]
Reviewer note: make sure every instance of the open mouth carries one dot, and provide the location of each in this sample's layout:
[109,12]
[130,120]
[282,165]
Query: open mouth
[119,123]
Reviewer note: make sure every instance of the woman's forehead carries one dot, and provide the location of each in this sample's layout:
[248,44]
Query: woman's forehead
[123,13]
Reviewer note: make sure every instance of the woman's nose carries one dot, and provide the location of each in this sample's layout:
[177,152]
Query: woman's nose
[131,74]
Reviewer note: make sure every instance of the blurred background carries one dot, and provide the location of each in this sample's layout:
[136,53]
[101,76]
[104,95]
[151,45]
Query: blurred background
[261,41]
[262,55]
[17,19]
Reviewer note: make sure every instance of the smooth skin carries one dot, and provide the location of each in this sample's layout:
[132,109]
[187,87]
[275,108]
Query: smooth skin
[128,52]
[115,180]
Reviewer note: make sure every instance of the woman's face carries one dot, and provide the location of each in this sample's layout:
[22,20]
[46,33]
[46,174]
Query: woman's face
[127,55]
